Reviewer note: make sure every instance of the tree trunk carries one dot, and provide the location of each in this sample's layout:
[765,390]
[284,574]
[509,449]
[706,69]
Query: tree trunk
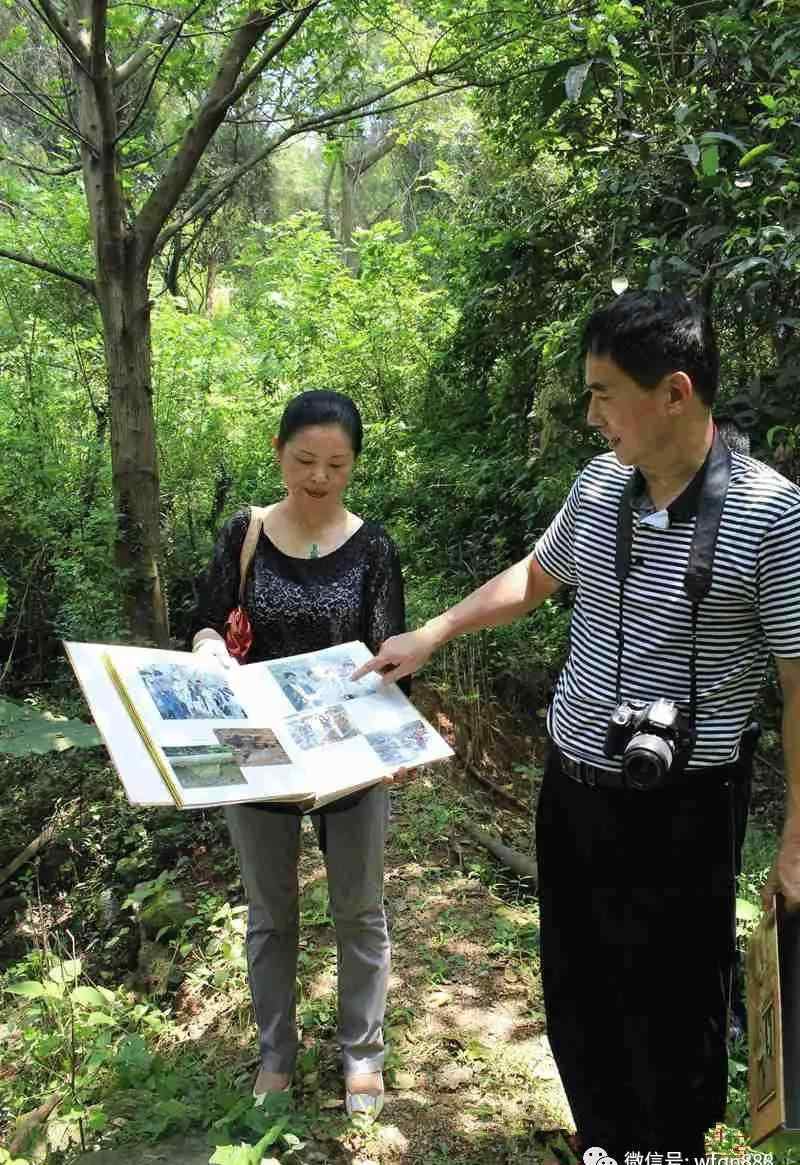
[211,285]
[121,286]
[347,219]
[124,300]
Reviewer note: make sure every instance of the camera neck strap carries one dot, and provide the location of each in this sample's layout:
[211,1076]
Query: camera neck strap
[698,575]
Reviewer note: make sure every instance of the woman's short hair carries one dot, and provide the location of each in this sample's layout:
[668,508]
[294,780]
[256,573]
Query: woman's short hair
[649,334]
[321,407]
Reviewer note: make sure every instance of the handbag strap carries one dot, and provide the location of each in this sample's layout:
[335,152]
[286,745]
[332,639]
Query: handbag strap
[254,528]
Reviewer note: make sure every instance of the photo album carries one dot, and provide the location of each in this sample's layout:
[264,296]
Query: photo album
[187,731]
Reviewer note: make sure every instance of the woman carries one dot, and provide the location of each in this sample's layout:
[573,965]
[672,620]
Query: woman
[320,576]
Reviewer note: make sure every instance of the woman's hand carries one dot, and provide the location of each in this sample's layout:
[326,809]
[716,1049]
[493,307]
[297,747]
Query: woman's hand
[214,649]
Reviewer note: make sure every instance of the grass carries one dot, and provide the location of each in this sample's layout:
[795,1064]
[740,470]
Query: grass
[152,1034]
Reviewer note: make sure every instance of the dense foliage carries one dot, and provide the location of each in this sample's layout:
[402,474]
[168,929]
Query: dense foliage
[433,255]
[627,143]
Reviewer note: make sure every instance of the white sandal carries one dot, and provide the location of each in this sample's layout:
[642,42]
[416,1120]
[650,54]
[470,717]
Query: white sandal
[368,1102]
[267,1083]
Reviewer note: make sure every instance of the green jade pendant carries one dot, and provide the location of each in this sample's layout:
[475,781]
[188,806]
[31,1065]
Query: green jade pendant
[314,551]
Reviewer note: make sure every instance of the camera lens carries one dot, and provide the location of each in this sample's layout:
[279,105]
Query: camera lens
[647,761]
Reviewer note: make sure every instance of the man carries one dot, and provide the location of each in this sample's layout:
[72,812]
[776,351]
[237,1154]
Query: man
[637,861]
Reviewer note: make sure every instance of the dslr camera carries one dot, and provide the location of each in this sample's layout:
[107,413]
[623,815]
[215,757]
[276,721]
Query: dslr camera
[654,741]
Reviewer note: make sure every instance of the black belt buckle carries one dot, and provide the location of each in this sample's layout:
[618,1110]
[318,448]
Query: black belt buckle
[578,771]
[590,776]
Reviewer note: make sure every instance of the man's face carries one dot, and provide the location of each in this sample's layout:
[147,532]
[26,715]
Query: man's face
[635,421]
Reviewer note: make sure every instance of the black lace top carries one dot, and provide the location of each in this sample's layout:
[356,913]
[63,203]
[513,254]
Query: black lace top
[305,604]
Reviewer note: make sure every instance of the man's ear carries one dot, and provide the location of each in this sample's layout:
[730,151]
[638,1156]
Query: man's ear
[680,391]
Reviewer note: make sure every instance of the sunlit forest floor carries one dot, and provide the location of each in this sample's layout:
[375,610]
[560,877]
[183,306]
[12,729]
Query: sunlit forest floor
[147,1038]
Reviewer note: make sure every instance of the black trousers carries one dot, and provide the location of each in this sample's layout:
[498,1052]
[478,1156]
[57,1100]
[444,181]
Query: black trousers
[637,902]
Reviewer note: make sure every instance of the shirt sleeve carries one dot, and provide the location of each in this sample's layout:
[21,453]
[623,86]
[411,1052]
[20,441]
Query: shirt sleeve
[218,589]
[555,550]
[384,598]
[778,590]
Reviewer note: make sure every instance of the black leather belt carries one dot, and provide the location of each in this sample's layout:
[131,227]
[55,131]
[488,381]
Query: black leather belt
[591,775]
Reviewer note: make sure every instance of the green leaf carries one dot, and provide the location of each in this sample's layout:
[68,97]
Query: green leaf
[756,152]
[717,136]
[709,235]
[692,152]
[552,93]
[575,80]
[776,434]
[63,972]
[27,987]
[100,1019]
[233,1155]
[25,730]
[88,995]
[271,1135]
[746,911]
[748,265]
[710,160]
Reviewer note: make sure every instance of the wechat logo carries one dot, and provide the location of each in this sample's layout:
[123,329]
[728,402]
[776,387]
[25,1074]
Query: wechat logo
[596,1156]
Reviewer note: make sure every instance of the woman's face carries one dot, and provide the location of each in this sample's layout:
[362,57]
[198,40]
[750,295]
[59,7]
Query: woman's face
[316,464]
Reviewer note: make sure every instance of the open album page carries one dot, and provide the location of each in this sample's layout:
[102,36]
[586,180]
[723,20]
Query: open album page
[142,781]
[209,735]
[345,735]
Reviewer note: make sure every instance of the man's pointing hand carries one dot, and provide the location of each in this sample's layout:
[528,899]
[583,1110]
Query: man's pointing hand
[400,656]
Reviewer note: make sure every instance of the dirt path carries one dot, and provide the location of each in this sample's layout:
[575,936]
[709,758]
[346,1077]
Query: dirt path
[470,1077]
[472,1069]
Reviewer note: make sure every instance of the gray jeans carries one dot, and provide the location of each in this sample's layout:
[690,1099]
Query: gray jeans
[268,845]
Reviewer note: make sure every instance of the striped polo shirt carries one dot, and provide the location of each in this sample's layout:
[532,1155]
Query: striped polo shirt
[752,609]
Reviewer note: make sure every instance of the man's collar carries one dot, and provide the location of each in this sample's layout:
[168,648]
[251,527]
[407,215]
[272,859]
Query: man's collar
[681,509]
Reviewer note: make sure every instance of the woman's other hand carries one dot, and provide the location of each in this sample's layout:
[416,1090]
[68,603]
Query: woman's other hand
[214,649]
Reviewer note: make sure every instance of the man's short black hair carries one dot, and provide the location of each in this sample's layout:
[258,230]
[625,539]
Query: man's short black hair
[652,333]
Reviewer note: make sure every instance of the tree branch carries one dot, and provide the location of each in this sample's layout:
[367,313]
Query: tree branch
[149,89]
[273,51]
[336,117]
[29,261]
[161,202]
[97,57]
[38,113]
[42,98]
[40,169]
[149,157]
[128,68]
[371,157]
[56,25]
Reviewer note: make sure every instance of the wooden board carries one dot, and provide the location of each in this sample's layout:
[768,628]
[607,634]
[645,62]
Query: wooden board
[773,1020]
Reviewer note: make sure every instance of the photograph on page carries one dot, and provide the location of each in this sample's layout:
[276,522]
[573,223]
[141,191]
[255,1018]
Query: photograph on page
[178,696]
[315,680]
